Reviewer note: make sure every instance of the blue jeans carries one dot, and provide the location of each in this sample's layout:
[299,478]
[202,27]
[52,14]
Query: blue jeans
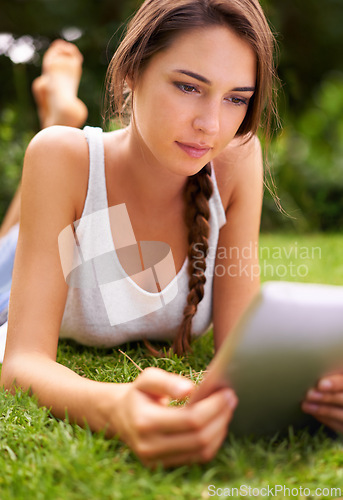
[8,245]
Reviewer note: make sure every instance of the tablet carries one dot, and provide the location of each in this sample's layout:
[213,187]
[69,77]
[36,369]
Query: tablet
[289,337]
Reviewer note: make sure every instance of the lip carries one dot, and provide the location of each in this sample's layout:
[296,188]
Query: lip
[194,150]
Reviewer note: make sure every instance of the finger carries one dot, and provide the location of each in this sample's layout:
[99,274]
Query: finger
[210,452]
[189,447]
[323,411]
[334,398]
[215,443]
[176,460]
[164,445]
[157,382]
[187,418]
[334,383]
[192,458]
[335,425]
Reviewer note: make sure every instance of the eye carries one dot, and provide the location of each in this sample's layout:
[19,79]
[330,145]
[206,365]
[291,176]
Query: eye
[238,101]
[186,88]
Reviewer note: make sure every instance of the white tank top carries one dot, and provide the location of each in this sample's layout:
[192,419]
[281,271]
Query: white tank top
[96,316]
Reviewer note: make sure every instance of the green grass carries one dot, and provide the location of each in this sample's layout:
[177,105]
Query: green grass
[314,258]
[43,458]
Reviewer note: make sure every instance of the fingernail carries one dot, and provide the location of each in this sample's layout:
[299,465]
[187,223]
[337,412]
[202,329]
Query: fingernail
[185,385]
[312,394]
[325,384]
[232,399]
[310,408]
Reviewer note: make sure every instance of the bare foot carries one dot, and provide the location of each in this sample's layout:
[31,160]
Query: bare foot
[55,91]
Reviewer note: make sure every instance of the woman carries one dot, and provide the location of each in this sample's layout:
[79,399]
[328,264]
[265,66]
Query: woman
[197,75]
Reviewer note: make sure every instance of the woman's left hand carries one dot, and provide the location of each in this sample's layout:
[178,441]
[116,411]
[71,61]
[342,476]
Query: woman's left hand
[325,402]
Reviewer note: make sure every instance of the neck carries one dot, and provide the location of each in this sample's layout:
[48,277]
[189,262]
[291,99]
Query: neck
[149,183]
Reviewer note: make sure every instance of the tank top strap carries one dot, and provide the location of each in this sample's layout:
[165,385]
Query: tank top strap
[217,201]
[96,193]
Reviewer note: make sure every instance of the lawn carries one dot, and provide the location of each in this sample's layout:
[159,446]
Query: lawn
[43,458]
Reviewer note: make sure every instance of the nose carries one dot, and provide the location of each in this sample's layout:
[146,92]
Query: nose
[207,119]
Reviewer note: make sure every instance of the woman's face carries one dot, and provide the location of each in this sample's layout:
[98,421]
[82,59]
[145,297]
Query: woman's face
[192,98]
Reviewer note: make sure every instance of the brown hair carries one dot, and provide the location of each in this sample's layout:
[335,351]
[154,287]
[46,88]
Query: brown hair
[151,30]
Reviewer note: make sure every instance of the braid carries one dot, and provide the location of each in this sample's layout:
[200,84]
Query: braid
[198,191]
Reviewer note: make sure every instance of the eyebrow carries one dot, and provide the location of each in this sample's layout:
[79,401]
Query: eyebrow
[208,82]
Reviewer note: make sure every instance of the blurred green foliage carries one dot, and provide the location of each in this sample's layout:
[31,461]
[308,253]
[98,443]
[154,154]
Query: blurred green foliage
[307,161]
[305,157]
[13,143]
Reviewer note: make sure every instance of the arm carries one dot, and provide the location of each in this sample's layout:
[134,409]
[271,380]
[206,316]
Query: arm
[243,188]
[39,291]
[54,168]
[241,178]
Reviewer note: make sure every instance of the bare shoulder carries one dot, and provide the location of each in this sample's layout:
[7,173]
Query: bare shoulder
[59,139]
[59,155]
[239,167]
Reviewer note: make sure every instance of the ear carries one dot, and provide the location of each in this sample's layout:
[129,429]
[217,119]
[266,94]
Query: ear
[129,82]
